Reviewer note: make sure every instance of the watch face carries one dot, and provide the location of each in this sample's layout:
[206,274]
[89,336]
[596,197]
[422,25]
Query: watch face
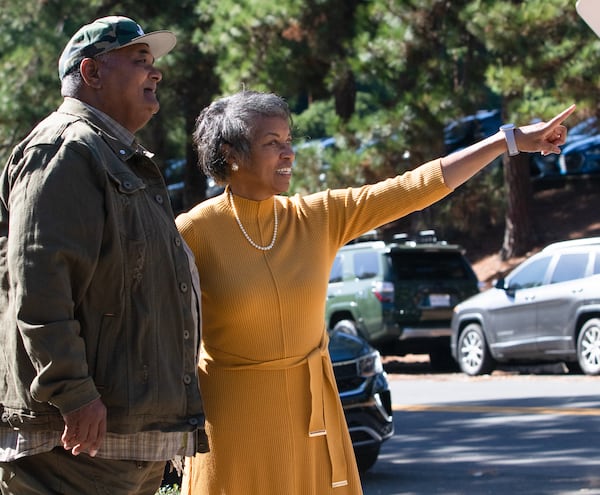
[590,13]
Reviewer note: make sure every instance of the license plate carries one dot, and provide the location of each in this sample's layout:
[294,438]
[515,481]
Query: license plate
[439,300]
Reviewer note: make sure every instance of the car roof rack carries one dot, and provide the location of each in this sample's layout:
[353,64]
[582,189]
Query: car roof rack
[427,236]
[423,237]
[371,235]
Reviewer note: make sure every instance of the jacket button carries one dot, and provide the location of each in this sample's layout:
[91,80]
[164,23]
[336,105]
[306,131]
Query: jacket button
[177,241]
[186,334]
[193,421]
[183,287]
[187,379]
[127,185]
[159,199]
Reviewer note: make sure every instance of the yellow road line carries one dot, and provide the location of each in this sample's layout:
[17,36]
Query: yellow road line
[568,411]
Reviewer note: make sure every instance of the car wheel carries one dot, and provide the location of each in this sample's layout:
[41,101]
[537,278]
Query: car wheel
[346,326]
[366,457]
[588,347]
[474,357]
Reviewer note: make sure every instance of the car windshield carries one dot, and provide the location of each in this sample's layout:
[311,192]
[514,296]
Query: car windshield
[430,266]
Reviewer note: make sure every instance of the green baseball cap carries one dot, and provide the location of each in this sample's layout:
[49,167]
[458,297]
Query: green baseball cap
[110,33]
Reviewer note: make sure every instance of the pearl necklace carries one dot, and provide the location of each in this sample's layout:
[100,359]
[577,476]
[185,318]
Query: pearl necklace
[239,222]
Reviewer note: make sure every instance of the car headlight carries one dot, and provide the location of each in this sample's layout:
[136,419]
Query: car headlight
[370,364]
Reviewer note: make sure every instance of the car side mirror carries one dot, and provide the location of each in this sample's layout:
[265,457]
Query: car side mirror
[502,285]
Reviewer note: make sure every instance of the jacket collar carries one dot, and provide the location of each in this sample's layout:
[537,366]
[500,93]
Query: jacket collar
[121,141]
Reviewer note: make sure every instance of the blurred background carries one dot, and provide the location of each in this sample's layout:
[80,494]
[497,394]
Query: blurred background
[376,86]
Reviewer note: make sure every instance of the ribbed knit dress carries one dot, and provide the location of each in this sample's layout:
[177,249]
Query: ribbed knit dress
[273,416]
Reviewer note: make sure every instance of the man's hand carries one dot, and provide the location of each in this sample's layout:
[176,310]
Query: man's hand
[85,428]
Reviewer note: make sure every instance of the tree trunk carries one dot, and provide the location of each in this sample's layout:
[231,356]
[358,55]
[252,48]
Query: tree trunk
[518,232]
[344,94]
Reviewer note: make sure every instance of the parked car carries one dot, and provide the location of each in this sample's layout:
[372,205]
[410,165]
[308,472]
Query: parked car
[580,157]
[583,129]
[467,130]
[174,173]
[399,296]
[365,395]
[579,154]
[546,310]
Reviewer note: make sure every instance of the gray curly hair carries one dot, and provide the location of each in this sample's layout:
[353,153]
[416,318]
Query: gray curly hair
[231,120]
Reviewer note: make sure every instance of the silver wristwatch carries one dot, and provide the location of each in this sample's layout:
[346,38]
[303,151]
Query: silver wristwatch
[509,136]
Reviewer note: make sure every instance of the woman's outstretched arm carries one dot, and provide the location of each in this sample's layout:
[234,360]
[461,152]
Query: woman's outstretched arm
[544,137]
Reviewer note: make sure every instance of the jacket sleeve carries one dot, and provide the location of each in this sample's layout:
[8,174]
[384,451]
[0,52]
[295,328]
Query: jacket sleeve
[56,222]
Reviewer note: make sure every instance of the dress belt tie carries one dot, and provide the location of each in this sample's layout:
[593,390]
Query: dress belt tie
[325,416]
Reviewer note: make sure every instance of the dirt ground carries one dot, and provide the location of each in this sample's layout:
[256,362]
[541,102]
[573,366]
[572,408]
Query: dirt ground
[570,210]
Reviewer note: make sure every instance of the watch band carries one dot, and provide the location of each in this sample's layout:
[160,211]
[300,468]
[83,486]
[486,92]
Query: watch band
[509,136]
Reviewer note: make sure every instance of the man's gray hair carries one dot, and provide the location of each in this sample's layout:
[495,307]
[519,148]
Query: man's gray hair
[71,84]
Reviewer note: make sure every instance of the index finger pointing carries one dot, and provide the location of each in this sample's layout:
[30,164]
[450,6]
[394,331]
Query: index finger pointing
[561,116]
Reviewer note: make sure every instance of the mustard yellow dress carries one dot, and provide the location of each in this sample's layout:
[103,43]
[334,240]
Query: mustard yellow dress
[273,416]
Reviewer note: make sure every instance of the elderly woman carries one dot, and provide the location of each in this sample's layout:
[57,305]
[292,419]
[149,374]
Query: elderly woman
[274,419]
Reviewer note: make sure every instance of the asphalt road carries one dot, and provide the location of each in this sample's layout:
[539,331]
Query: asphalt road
[517,431]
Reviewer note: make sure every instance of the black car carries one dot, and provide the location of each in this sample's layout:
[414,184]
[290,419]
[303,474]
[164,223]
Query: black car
[365,395]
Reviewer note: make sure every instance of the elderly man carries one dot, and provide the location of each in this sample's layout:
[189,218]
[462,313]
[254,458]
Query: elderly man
[99,306]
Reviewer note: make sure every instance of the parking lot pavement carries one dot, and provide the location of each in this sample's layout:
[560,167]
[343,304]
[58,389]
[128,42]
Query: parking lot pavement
[532,432]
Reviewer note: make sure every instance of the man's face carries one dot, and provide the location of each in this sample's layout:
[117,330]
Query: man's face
[128,83]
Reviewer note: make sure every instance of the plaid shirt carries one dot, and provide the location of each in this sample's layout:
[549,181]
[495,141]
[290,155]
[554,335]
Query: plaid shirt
[143,446]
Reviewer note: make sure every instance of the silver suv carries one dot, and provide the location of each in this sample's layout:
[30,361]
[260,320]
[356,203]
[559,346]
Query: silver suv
[546,310]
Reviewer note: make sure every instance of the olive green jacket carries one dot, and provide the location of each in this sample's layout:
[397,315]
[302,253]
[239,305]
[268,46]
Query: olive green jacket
[97,291]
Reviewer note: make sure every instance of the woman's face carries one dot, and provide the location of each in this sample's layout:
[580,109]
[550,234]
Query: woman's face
[269,168]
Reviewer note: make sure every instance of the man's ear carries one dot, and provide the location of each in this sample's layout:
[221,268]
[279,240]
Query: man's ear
[89,72]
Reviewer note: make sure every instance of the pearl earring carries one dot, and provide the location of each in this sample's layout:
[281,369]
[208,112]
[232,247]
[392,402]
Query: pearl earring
[234,167]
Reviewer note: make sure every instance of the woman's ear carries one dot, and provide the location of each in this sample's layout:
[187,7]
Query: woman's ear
[228,153]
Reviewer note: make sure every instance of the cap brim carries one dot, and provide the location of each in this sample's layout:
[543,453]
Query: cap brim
[590,12]
[159,42]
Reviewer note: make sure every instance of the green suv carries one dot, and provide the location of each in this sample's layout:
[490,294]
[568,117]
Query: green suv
[399,296]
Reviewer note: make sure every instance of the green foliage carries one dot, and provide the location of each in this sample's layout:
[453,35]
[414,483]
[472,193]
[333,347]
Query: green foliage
[248,36]
[474,208]
[318,120]
[382,76]
[30,35]
[540,52]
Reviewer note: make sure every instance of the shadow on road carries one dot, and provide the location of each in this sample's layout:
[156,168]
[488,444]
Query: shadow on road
[416,364]
[533,446]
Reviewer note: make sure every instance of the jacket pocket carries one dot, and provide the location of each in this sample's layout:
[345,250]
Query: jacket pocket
[107,355]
